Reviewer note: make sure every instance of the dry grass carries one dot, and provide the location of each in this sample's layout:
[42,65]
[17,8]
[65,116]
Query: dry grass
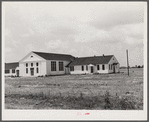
[76,92]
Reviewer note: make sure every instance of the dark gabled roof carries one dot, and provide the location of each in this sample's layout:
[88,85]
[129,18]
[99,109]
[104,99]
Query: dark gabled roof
[91,60]
[53,56]
[13,65]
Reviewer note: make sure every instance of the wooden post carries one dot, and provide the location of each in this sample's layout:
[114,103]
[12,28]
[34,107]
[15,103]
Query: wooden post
[127,62]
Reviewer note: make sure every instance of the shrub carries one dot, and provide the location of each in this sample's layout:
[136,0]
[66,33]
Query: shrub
[96,73]
[125,102]
[107,101]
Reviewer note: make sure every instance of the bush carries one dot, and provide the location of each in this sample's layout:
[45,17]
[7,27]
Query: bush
[107,101]
[96,73]
[125,102]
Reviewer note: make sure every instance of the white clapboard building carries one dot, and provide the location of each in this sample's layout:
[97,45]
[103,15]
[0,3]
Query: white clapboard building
[41,64]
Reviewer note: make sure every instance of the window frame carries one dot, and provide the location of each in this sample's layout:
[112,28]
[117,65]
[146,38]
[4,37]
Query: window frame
[103,67]
[7,72]
[82,68]
[13,71]
[37,70]
[53,65]
[61,66]
[98,67]
[86,68]
[71,68]
[26,70]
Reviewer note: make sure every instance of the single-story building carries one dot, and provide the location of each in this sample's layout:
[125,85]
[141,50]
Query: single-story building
[95,64]
[40,63]
[12,69]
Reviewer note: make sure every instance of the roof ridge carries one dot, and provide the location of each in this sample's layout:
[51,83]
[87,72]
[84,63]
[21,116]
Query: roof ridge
[11,62]
[95,56]
[51,53]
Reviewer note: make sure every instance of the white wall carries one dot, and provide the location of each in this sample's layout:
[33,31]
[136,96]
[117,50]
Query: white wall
[57,72]
[100,68]
[78,69]
[35,59]
[67,70]
[41,68]
[10,73]
[117,68]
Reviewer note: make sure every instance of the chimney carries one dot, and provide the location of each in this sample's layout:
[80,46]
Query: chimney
[94,56]
[103,55]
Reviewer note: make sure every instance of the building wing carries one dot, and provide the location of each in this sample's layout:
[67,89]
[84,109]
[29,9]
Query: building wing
[91,60]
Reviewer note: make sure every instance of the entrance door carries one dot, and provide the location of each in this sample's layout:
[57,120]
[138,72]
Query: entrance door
[92,69]
[32,71]
[114,68]
[17,73]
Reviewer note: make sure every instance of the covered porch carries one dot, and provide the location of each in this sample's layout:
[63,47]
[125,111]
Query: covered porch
[91,68]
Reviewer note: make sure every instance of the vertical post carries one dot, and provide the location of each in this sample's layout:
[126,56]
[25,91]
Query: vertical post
[127,62]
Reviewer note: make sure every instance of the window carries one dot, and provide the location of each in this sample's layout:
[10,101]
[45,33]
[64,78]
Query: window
[98,68]
[31,56]
[37,70]
[53,65]
[71,68]
[109,66]
[31,64]
[82,68]
[36,64]
[26,70]
[61,67]
[6,71]
[26,64]
[86,68]
[103,67]
[13,70]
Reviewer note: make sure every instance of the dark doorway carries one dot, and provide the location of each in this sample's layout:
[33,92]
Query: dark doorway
[113,68]
[92,69]
[32,71]
[17,73]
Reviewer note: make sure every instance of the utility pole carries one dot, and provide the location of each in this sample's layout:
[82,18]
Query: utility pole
[127,62]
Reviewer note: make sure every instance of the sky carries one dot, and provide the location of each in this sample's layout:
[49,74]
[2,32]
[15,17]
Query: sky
[81,29]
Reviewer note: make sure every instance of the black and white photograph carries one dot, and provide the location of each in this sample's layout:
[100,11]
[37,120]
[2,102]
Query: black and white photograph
[74,60]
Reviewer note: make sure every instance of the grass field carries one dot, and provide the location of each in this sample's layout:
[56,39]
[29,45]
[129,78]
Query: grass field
[94,92]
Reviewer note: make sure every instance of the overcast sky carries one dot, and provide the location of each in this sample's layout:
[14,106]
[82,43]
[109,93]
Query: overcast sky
[77,28]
